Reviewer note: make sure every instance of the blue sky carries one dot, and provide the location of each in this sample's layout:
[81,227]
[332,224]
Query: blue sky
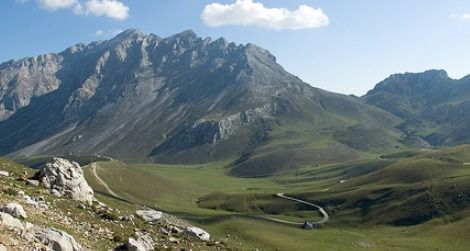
[362,43]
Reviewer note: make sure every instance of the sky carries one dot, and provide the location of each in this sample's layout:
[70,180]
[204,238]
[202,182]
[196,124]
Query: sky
[345,46]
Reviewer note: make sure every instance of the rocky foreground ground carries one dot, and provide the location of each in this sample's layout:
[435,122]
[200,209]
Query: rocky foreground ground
[55,209]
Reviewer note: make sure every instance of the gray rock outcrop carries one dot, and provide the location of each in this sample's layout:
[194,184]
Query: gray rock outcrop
[141,243]
[199,233]
[149,215]
[65,177]
[10,221]
[54,239]
[15,210]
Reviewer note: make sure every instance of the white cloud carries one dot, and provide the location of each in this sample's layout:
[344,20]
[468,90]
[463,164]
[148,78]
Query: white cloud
[108,8]
[57,4]
[108,33]
[249,12]
[465,16]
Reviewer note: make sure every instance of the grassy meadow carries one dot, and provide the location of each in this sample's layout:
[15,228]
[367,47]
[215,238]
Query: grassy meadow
[410,200]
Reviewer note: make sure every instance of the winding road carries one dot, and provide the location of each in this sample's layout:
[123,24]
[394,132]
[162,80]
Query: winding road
[325,218]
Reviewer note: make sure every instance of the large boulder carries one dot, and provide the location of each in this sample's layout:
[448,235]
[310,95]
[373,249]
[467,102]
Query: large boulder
[141,243]
[15,210]
[149,215]
[199,233]
[54,239]
[65,177]
[10,221]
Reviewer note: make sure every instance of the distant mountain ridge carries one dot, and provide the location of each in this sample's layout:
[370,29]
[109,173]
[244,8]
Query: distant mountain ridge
[182,99]
[434,106]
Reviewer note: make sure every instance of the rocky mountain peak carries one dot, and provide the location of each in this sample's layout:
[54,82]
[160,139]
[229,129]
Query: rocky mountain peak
[130,34]
[75,48]
[187,34]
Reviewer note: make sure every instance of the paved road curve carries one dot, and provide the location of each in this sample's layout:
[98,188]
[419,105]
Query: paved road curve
[325,219]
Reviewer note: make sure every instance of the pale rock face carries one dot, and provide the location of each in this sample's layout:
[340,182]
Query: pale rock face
[15,210]
[199,233]
[231,124]
[33,77]
[10,221]
[65,177]
[54,239]
[4,174]
[141,243]
[149,215]
[214,131]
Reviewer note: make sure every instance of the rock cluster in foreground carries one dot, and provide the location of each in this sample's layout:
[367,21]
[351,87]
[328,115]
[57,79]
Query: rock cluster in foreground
[33,217]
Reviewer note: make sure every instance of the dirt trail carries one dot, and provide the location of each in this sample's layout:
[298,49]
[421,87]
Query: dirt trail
[101,182]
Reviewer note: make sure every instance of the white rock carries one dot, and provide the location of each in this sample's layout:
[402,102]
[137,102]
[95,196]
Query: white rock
[34,203]
[4,173]
[64,177]
[15,210]
[3,248]
[28,225]
[149,215]
[33,182]
[10,221]
[199,233]
[142,243]
[55,239]
[56,193]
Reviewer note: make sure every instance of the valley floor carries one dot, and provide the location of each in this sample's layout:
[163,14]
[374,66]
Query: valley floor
[394,202]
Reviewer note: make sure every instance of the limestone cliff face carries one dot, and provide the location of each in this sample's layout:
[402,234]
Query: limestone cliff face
[25,79]
[212,131]
[230,125]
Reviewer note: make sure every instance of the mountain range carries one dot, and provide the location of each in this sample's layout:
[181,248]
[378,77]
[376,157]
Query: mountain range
[187,99]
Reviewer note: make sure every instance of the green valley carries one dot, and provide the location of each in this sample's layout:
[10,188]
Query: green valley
[395,201]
